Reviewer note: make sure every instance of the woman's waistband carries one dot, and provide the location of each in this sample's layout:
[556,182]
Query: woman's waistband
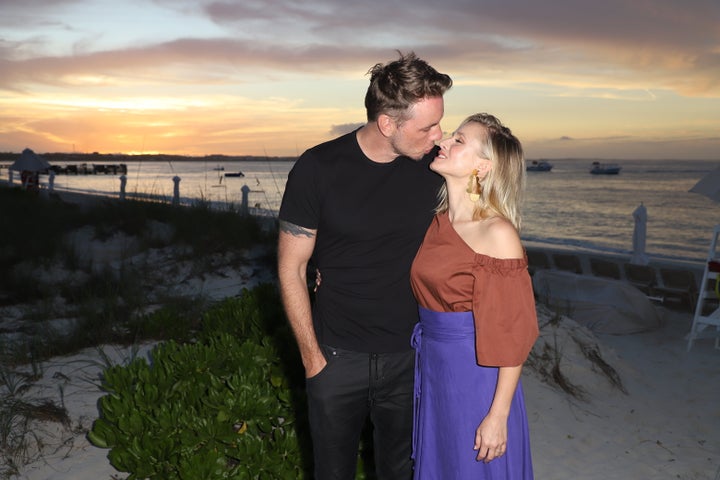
[446,325]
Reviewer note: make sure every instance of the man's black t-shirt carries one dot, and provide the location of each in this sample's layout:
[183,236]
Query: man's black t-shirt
[370,219]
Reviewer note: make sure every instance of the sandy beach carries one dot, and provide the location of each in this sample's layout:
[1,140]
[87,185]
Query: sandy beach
[648,410]
[666,425]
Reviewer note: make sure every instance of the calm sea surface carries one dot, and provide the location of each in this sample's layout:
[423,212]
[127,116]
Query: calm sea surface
[566,206]
[569,206]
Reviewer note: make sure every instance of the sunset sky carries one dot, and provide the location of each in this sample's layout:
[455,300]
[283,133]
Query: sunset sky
[571,78]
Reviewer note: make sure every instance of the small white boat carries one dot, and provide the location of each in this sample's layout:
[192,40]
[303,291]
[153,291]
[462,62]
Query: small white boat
[605,168]
[541,166]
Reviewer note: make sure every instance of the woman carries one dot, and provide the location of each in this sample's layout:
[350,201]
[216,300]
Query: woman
[477,313]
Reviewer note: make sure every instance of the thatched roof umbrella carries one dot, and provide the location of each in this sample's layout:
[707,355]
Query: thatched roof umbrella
[29,161]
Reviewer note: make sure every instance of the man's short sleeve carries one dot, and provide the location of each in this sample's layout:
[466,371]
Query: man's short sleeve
[301,200]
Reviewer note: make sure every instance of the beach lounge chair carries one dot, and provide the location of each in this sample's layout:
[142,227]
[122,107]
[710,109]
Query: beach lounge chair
[567,262]
[680,284]
[601,267]
[537,260]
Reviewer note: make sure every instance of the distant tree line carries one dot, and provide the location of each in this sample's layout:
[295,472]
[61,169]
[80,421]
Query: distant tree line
[9,157]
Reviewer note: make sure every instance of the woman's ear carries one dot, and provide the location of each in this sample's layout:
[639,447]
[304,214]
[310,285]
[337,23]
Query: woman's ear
[483,166]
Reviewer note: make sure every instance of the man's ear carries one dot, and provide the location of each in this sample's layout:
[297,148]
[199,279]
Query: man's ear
[386,124]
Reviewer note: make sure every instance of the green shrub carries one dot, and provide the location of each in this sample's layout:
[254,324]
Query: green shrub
[220,409]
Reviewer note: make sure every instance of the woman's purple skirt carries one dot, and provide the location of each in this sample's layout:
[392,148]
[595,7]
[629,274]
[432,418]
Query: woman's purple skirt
[452,396]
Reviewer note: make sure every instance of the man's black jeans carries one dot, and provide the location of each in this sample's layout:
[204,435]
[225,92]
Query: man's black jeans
[352,386]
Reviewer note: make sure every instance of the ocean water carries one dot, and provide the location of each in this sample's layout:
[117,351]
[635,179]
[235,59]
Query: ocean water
[199,181]
[569,206]
[566,206]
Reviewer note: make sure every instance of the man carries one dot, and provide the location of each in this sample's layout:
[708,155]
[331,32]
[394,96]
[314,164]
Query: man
[359,206]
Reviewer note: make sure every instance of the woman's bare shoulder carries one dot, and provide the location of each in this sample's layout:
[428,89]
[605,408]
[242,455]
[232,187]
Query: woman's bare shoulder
[503,239]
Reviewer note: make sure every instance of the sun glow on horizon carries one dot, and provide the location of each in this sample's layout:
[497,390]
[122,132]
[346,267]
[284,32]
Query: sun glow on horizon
[205,78]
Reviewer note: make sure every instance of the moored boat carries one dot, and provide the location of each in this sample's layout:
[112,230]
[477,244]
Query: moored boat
[541,166]
[605,168]
[234,174]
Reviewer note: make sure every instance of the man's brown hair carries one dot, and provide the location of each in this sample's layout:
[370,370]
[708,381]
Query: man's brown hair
[398,85]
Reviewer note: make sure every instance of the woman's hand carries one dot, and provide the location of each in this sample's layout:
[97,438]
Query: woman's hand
[491,435]
[491,438]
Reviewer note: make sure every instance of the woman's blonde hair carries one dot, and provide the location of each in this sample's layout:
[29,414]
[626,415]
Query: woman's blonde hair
[504,185]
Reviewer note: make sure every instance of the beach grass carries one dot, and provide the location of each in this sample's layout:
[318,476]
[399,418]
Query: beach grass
[36,243]
[64,301]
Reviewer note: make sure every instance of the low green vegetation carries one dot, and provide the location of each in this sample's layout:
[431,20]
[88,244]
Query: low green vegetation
[222,407]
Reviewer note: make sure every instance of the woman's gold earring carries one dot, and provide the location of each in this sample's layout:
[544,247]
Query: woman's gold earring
[474,187]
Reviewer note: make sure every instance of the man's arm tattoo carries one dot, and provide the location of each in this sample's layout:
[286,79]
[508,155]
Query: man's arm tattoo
[295,230]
